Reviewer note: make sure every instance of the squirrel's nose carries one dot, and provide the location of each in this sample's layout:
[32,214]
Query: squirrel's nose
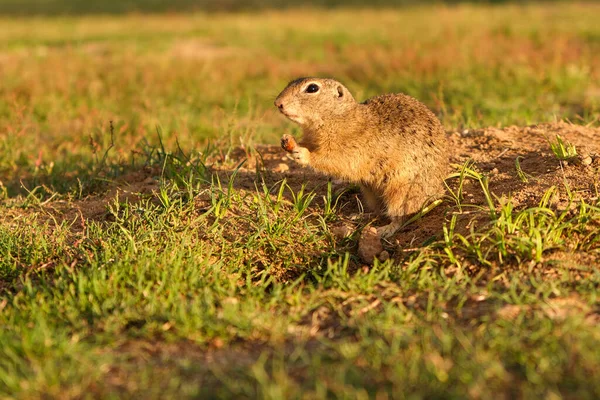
[279,104]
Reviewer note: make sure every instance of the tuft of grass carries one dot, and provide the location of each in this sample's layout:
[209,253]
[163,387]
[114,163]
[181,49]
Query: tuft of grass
[564,151]
[522,175]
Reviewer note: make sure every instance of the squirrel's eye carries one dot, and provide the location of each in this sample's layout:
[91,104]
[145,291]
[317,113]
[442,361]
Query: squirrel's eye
[312,88]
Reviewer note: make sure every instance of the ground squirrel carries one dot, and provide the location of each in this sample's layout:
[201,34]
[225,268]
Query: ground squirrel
[391,145]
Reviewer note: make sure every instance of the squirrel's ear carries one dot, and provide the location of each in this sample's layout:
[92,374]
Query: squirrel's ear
[340,91]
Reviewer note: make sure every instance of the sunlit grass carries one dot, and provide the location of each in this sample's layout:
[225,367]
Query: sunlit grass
[142,255]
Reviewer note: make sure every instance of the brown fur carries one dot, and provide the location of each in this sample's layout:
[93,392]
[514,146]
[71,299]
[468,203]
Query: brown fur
[392,145]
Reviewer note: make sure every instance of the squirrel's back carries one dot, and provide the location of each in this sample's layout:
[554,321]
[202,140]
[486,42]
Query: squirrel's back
[405,115]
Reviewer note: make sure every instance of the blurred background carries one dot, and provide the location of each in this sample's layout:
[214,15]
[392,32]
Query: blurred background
[209,70]
[26,7]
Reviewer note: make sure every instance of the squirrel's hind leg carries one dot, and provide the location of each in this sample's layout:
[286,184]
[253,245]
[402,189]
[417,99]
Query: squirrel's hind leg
[388,230]
[372,199]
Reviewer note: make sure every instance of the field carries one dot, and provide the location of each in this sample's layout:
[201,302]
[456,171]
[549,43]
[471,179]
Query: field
[155,241]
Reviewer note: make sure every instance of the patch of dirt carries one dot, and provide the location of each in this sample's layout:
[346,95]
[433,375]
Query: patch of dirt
[495,152]
[130,188]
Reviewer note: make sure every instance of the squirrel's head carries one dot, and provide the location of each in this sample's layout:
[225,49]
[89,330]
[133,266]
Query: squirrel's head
[311,102]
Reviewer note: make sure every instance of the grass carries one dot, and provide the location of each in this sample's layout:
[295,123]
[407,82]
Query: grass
[141,256]
[563,151]
[230,298]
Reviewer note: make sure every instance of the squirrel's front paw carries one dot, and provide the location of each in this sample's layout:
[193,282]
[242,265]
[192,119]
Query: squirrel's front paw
[288,143]
[301,155]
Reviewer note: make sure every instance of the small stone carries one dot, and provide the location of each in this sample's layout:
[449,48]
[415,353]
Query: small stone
[495,171]
[369,245]
[383,256]
[281,167]
[587,160]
